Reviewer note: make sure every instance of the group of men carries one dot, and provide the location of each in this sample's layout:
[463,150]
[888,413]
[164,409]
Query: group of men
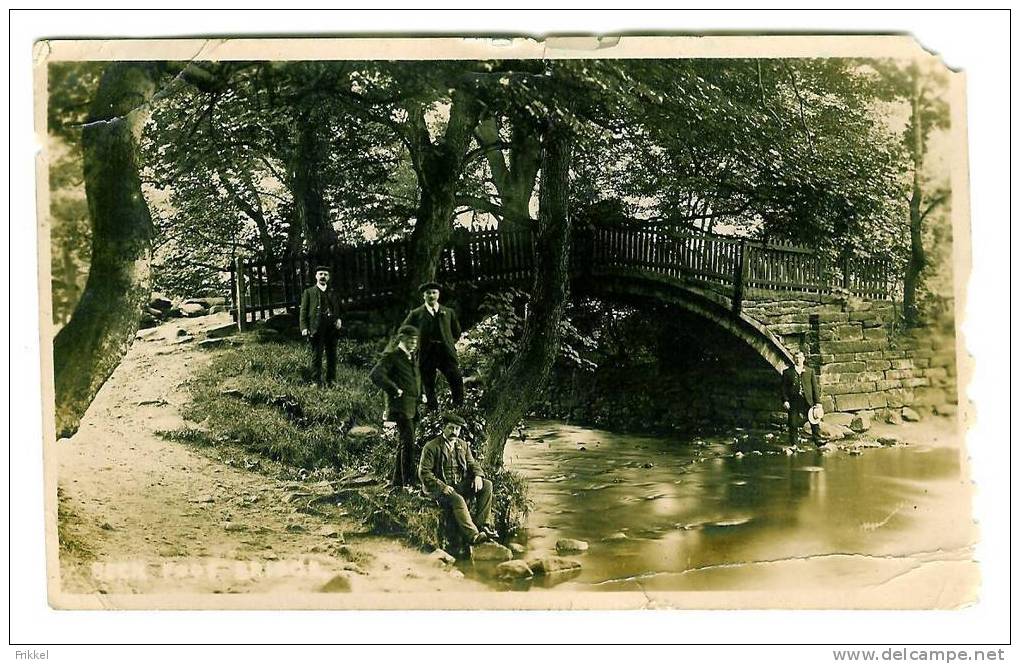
[425,344]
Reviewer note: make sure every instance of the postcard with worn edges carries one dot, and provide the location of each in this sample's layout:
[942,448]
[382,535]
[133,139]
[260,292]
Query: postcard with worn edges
[563,323]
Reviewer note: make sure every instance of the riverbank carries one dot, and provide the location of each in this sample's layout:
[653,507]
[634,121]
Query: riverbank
[143,514]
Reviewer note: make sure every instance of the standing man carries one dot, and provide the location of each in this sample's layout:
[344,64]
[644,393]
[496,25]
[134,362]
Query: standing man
[800,393]
[450,474]
[397,375]
[439,330]
[320,323]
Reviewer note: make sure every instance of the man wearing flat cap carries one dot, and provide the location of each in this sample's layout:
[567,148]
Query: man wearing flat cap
[450,474]
[397,375]
[439,331]
[320,323]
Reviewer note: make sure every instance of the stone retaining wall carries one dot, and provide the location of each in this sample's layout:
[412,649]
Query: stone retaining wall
[865,362]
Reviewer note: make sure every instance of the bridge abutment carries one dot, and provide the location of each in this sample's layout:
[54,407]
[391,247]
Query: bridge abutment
[865,362]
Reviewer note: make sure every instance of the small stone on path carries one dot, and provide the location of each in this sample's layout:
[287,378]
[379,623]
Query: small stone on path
[341,583]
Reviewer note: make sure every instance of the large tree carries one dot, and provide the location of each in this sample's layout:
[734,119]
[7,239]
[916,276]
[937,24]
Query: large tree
[89,347]
[509,398]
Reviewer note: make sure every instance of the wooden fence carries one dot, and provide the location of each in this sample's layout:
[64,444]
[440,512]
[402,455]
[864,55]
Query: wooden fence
[374,272]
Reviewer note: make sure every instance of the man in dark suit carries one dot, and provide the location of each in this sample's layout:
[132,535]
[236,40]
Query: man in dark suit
[398,376]
[320,323]
[450,474]
[800,393]
[439,330]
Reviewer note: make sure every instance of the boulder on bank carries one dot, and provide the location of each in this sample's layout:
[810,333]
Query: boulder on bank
[841,419]
[441,558]
[910,415]
[552,565]
[206,302]
[160,303]
[567,545]
[491,551]
[514,569]
[861,422]
[193,309]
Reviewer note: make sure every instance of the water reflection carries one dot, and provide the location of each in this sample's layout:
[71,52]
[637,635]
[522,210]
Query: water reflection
[725,513]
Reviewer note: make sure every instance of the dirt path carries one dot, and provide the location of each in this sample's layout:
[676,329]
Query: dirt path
[141,514]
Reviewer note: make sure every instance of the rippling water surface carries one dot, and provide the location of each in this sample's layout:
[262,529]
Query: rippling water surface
[738,512]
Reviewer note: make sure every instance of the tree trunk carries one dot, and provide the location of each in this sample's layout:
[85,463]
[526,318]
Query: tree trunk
[438,168]
[514,181]
[918,260]
[310,211]
[91,345]
[508,400]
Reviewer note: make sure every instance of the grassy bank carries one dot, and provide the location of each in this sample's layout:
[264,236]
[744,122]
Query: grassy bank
[255,398]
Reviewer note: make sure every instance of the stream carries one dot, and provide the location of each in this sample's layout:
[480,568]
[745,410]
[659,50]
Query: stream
[738,511]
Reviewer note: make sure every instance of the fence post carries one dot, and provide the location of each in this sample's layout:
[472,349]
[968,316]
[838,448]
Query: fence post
[739,277]
[239,294]
[846,272]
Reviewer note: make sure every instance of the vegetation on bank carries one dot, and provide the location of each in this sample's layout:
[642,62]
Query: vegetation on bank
[256,397]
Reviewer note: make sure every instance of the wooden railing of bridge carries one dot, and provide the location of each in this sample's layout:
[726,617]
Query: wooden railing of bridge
[374,272]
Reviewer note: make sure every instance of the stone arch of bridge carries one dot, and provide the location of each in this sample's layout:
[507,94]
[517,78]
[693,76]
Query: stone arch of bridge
[700,301]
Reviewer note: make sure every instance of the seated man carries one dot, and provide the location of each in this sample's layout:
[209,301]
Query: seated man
[450,474]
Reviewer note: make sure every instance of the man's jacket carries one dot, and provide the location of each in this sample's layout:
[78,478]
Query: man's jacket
[804,384]
[449,326]
[312,300]
[395,371]
[432,473]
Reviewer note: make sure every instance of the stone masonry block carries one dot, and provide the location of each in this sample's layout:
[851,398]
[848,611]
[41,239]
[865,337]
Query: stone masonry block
[849,388]
[852,402]
[876,333]
[849,332]
[843,367]
[851,346]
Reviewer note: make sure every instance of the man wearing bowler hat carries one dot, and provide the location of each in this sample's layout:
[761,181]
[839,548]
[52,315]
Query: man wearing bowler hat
[439,330]
[320,323]
[397,375]
[801,393]
[450,474]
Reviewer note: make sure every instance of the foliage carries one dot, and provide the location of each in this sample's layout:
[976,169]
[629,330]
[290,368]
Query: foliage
[71,88]
[488,346]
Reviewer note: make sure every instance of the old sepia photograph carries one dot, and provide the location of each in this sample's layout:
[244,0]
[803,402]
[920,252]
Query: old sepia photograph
[480,323]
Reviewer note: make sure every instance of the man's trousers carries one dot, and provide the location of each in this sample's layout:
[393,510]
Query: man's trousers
[795,420]
[435,357]
[405,462]
[323,341]
[469,521]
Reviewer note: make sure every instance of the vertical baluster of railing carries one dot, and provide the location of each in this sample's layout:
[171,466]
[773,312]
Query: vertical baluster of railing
[239,294]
